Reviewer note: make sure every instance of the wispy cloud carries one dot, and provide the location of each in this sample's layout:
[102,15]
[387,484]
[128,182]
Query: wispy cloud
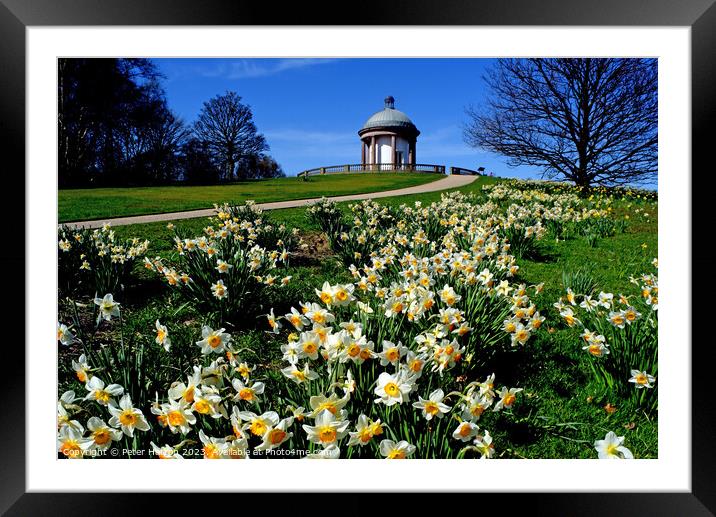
[252,68]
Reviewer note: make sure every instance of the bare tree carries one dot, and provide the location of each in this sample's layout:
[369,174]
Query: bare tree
[591,121]
[227,127]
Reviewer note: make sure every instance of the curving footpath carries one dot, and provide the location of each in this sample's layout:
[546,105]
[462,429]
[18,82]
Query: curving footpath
[452,181]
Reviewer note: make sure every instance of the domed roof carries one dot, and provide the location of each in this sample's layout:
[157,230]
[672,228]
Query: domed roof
[389,117]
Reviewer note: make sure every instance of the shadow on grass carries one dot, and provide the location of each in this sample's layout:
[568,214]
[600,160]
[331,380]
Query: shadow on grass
[542,254]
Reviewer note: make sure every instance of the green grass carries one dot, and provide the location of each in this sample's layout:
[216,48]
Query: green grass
[100,203]
[561,412]
[161,242]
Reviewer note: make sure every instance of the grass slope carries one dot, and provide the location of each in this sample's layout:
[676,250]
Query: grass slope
[562,412]
[100,203]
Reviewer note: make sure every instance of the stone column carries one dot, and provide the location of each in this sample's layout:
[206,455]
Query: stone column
[362,152]
[372,151]
[394,155]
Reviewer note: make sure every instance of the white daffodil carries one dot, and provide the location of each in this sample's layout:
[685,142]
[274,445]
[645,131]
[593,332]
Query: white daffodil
[212,375]
[219,290]
[177,415]
[484,445]
[569,318]
[343,294]
[214,341]
[237,449]
[207,401]
[244,370]
[81,368]
[589,304]
[448,296]
[612,447]
[606,300]
[521,335]
[391,353]
[328,430]
[631,315]
[363,433]
[364,307]
[474,406]
[67,398]
[247,393]
[396,451]
[277,435]
[299,375]
[101,434]
[571,296]
[353,328]
[273,323]
[107,307]
[127,417]
[71,443]
[326,294]
[618,319]
[308,344]
[63,417]
[292,351]
[180,390]
[466,431]
[214,448]
[98,392]
[222,266]
[258,424]
[319,315]
[64,335]
[296,319]
[162,336]
[597,348]
[165,453]
[415,363]
[507,398]
[348,384]
[333,404]
[642,379]
[433,406]
[394,306]
[392,389]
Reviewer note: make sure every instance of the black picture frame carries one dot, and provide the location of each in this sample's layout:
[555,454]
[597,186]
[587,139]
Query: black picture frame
[699,15]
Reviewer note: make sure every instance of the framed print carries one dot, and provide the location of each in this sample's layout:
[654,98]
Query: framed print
[430,233]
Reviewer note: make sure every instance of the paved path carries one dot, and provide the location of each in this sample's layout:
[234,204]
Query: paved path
[448,182]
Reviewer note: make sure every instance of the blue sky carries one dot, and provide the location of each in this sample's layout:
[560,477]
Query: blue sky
[311,109]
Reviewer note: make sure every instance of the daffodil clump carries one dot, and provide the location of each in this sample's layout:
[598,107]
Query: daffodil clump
[256,226]
[338,395]
[352,239]
[119,419]
[395,360]
[226,271]
[462,279]
[541,189]
[95,261]
[620,333]
[327,216]
[532,209]
[361,368]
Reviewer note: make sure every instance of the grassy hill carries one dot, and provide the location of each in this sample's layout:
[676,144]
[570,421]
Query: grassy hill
[100,203]
[562,410]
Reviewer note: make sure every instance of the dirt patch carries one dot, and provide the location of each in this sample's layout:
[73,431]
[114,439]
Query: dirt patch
[313,248]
